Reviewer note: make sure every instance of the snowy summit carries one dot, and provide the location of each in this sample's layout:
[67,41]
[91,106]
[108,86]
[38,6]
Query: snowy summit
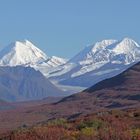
[21,53]
[26,53]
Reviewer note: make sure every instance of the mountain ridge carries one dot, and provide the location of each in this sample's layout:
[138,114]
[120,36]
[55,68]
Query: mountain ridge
[24,83]
[93,64]
[25,53]
[108,57]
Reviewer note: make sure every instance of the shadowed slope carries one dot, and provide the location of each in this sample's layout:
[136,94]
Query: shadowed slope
[24,83]
[121,90]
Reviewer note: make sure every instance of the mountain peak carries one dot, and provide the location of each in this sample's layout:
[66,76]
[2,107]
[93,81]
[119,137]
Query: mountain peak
[103,44]
[128,39]
[21,44]
[97,62]
[27,43]
[127,46]
[21,53]
[88,53]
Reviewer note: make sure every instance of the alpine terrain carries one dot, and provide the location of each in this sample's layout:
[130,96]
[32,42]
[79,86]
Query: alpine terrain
[93,64]
[97,62]
[27,54]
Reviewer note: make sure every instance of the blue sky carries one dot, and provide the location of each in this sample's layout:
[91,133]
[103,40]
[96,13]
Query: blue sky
[64,27]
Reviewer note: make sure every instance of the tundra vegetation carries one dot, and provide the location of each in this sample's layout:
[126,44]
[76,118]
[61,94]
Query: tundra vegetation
[105,125]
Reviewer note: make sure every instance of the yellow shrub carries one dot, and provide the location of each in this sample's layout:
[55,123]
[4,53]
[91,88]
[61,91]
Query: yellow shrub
[89,131]
[135,133]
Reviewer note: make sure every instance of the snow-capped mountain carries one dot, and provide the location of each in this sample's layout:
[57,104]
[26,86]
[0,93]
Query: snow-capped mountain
[19,82]
[87,55]
[97,62]
[109,50]
[21,53]
[93,64]
[49,65]
[27,54]
[56,61]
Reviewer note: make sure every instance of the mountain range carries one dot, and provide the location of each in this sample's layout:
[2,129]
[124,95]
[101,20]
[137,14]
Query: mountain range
[109,94]
[27,54]
[93,64]
[121,92]
[97,62]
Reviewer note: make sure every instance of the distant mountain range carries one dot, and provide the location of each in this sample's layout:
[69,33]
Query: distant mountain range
[24,83]
[97,62]
[110,69]
[93,64]
[26,53]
